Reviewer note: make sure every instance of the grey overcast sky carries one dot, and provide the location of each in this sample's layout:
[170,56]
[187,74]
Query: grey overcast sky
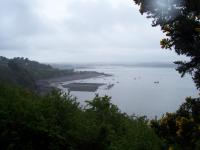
[79,31]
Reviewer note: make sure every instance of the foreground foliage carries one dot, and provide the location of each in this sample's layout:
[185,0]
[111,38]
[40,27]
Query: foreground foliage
[56,121]
[181,130]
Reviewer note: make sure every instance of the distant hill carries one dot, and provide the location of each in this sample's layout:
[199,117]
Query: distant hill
[157,65]
[24,72]
[94,65]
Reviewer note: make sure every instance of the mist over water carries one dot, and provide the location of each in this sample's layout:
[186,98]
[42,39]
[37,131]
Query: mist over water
[150,91]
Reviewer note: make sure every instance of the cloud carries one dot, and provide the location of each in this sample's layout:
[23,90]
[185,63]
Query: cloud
[78,31]
[17,23]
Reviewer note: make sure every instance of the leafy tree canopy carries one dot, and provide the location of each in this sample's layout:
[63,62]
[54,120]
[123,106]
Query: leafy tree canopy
[56,121]
[181,130]
[180,20]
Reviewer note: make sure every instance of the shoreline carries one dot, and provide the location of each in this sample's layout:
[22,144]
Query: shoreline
[47,85]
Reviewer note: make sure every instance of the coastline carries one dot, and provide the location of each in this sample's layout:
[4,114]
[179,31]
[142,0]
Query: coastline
[47,85]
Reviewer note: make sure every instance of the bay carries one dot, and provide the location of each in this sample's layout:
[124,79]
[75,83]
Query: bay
[149,91]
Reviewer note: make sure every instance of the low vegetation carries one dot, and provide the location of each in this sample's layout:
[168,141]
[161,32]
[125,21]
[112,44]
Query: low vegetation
[180,130]
[56,121]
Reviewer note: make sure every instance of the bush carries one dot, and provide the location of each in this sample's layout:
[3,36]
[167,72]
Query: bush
[56,121]
[181,130]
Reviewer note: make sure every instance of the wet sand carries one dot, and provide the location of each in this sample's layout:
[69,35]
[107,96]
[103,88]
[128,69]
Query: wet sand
[78,76]
[85,87]
[46,84]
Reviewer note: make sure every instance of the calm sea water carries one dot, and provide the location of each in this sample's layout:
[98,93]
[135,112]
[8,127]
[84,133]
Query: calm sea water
[135,90]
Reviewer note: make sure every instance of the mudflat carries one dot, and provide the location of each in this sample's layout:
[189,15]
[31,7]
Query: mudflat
[78,76]
[46,84]
[85,87]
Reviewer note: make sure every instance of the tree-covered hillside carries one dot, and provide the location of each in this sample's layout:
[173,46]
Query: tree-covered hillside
[24,72]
